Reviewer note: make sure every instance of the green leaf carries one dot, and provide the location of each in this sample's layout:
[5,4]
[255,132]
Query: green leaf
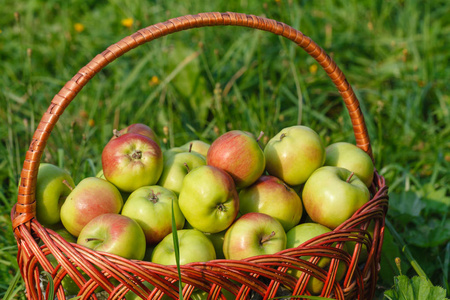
[407,204]
[416,288]
[436,200]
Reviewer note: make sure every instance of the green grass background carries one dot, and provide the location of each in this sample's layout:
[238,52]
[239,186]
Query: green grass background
[210,80]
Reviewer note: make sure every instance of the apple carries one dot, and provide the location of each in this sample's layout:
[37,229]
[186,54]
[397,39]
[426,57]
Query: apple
[294,154]
[199,294]
[194,246]
[131,161]
[197,146]
[332,195]
[363,254]
[90,198]
[239,154]
[52,188]
[254,234]
[137,128]
[176,167]
[124,194]
[350,157]
[208,199]
[270,195]
[167,154]
[299,235]
[217,239]
[151,207]
[115,234]
[62,231]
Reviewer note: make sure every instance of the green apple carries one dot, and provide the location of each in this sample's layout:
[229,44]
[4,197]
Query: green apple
[176,167]
[198,294]
[151,207]
[350,157]
[62,231]
[273,197]
[254,234]
[363,254]
[299,235]
[194,246]
[217,239]
[131,161]
[208,199]
[332,195]
[52,188]
[115,234]
[90,198]
[239,154]
[167,154]
[197,146]
[294,154]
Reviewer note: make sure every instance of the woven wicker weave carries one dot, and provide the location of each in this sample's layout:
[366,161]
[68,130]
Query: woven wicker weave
[261,277]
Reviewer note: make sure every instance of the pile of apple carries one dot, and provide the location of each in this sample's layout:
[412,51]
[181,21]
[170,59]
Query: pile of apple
[230,199]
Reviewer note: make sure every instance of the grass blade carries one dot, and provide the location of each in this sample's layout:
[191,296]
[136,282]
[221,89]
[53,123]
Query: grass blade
[177,253]
[11,291]
[405,250]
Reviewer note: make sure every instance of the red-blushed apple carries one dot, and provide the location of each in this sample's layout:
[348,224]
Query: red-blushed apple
[124,194]
[208,199]
[197,146]
[254,234]
[332,195]
[294,154]
[194,246]
[299,235]
[239,154]
[132,161]
[115,234]
[137,128]
[90,198]
[176,167]
[52,188]
[352,158]
[151,207]
[270,195]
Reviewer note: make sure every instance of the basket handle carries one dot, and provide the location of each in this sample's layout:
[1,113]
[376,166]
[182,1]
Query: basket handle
[25,208]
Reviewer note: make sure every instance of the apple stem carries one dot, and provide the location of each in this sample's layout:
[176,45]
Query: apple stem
[287,187]
[190,147]
[154,197]
[187,167]
[137,154]
[260,136]
[350,176]
[116,133]
[267,237]
[68,185]
[93,239]
[282,136]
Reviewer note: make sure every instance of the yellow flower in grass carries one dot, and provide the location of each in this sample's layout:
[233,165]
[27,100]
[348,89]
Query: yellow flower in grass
[128,22]
[78,27]
[153,81]
[313,69]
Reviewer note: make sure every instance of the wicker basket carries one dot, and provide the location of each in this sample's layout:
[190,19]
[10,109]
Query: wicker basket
[261,277]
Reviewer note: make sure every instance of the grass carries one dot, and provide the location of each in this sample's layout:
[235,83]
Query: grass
[394,53]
